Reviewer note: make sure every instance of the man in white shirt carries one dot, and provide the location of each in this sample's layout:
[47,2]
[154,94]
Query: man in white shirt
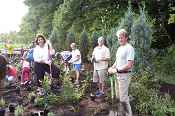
[100,58]
[76,61]
[122,68]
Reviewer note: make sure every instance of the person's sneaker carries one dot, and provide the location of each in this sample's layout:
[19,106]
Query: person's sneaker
[99,94]
[76,82]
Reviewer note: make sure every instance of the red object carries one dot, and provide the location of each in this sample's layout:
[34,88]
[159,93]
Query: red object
[11,71]
[25,74]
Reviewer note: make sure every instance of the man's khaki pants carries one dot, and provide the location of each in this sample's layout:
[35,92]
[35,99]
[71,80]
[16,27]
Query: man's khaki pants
[121,90]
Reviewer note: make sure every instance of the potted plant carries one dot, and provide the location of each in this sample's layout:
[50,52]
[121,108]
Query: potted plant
[2,107]
[19,111]
[32,97]
[12,107]
[50,114]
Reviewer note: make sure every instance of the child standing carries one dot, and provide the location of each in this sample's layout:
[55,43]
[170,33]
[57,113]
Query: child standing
[25,72]
[65,57]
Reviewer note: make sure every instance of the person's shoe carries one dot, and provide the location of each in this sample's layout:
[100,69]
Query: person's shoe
[99,94]
[76,82]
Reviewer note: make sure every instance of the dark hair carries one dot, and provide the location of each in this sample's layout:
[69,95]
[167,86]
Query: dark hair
[38,36]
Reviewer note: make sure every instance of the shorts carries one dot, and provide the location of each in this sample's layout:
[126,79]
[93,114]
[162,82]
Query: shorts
[99,75]
[77,67]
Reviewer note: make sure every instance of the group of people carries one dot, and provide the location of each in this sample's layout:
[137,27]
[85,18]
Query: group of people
[122,66]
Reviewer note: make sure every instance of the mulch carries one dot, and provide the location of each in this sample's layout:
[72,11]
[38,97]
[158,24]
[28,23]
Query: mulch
[168,88]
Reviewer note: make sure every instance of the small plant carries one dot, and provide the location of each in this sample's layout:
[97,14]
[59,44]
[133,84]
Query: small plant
[2,107]
[32,97]
[2,103]
[50,114]
[39,102]
[46,83]
[19,111]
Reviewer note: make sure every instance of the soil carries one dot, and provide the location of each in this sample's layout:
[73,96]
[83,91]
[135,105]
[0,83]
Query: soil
[86,107]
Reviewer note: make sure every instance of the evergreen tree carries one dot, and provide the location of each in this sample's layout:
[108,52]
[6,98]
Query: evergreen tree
[141,35]
[56,39]
[126,23]
[84,46]
[95,36]
[112,43]
[69,39]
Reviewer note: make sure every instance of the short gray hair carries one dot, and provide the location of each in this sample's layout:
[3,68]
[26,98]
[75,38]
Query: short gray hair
[121,31]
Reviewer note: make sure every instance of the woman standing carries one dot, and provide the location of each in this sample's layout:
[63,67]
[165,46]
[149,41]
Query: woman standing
[42,59]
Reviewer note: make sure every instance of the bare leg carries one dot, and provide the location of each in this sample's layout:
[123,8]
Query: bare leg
[77,75]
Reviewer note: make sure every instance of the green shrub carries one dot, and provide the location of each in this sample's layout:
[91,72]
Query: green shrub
[19,110]
[148,99]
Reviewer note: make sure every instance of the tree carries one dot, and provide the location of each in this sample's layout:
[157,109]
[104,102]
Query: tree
[70,39]
[84,46]
[125,23]
[141,35]
[95,36]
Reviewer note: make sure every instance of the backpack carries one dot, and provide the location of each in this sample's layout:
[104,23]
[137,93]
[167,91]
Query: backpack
[29,56]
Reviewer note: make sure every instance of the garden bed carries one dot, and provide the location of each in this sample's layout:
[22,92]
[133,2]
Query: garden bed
[168,88]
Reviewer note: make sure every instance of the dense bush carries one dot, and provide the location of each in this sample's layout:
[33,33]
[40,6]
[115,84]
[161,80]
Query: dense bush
[147,98]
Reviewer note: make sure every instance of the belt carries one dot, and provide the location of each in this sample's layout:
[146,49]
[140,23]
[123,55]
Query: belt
[122,71]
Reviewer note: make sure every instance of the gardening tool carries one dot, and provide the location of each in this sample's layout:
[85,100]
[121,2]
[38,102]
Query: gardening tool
[112,88]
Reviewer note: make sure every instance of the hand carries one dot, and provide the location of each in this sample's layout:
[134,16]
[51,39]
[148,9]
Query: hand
[93,59]
[70,61]
[48,62]
[112,70]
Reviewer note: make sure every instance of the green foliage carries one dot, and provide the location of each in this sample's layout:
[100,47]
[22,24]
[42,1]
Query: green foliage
[2,102]
[72,94]
[69,39]
[39,102]
[125,23]
[172,16]
[52,100]
[164,65]
[112,43]
[147,97]
[45,84]
[95,36]
[30,95]
[19,110]
[50,114]
[141,35]
[58,39]
[84,46]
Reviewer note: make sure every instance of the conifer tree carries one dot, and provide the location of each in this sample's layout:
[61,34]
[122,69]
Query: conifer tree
[69,39]
[95,36]
[141,35]
[126,23]
[84,46]
[112,43]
